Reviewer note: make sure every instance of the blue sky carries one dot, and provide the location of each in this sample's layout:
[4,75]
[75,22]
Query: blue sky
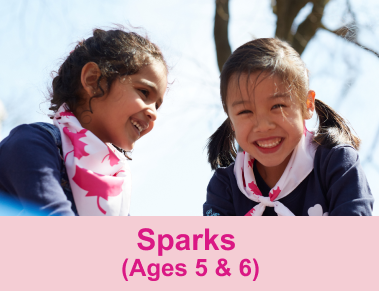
[169,168]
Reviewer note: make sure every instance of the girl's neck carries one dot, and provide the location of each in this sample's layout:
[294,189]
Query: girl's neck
[271,175]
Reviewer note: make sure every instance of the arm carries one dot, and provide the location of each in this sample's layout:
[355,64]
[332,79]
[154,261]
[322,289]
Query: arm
[348,192]
[30,168]
[219,196]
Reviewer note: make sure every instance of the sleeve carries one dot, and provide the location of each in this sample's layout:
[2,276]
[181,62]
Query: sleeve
[348,192]
[219,196]
[32,171]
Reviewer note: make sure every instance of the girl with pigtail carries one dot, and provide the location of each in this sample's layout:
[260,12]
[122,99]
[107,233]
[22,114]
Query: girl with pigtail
[282,168]
[104,97]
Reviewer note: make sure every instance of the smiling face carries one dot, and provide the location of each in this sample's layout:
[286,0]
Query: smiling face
[268,123]
[128,110]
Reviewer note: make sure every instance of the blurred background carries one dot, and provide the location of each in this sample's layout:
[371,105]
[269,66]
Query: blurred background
[338,40]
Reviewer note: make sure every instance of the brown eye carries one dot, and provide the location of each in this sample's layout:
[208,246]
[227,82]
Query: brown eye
[244,112]
[145,92]
[278,106]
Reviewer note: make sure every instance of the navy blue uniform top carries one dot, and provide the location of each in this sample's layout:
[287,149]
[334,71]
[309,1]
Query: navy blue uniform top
[337,183]
[31,171]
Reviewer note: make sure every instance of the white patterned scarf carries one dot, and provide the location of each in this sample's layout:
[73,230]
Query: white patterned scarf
[300,165]
[99,175]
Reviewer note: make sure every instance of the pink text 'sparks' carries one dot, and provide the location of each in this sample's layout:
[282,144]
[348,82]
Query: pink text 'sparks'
[190,253]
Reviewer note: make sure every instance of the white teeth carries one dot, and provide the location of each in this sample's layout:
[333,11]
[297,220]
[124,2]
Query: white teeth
[269,145]
[139,127]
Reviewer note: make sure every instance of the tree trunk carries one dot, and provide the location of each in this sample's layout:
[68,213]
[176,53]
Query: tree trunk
[223,49]
[286,11]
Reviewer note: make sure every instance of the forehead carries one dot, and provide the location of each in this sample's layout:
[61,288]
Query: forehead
[154,74]
[255,85]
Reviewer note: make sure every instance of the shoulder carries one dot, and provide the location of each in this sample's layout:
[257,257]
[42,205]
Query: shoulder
[223,176]
[343,181]
[343,156]
[223,184]
[30,169]
[340,166]
[219,200]
[28,142]
[26,135]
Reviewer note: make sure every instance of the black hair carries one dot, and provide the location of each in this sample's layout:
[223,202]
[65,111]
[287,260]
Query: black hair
[276,58]
[221,146]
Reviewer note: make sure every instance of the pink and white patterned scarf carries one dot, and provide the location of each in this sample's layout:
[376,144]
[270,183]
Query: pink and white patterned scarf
[300,165]
[99,175]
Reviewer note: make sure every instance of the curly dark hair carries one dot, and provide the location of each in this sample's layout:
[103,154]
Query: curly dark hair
[116,52]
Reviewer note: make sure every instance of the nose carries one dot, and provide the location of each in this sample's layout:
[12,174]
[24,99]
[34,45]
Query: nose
[151,113]
[263,124]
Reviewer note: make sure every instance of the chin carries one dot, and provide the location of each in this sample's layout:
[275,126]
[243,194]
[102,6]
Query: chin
[271,162]
[268,164]
[128,148]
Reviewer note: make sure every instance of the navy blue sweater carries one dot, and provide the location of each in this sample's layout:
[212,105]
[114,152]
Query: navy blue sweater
[30,172]
[337,183]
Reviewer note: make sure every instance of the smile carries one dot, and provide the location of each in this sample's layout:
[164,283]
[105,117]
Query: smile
[269,145]
[140,127]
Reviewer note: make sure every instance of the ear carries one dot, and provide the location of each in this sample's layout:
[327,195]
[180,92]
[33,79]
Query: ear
[89,78]
[310,104]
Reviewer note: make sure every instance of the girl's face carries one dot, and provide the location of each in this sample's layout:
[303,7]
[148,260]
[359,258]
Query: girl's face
[128,110]
[268,123]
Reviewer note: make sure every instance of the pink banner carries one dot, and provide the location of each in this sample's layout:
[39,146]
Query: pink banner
[189,253]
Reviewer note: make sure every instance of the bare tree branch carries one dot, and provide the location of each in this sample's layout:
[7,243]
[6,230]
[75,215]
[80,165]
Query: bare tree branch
[307,29]
[223,49]
[349,32]
[344,32]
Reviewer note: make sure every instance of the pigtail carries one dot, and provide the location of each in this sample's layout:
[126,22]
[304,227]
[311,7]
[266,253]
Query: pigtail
[333,129]
[221,148]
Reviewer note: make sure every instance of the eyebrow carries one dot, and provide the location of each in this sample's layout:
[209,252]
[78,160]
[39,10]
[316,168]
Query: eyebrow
[149,84]
[240,102]
[274,96]
[279,95]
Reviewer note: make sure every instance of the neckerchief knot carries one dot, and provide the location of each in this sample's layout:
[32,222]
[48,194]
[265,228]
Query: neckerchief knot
[300,165]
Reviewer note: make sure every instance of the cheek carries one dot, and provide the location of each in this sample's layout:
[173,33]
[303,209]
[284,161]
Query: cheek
[151,125]
[294,121]
[241,133]
[296,129]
